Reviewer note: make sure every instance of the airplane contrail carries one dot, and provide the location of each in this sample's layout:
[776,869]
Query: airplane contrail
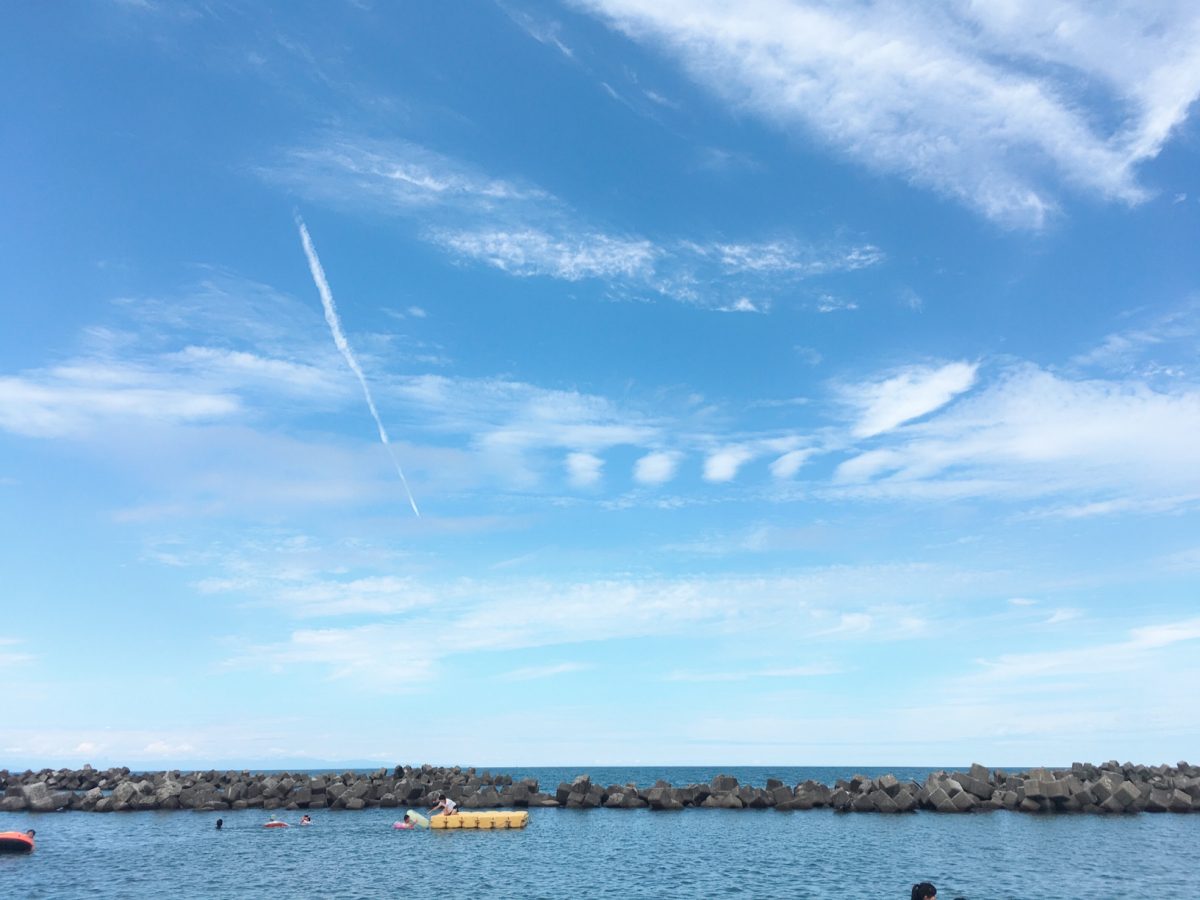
[335,326]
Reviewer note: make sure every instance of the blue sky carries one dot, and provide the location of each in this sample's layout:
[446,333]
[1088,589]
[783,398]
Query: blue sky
[810,384]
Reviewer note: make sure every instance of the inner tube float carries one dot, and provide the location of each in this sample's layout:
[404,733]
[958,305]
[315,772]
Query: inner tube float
[275,825]
[16,842]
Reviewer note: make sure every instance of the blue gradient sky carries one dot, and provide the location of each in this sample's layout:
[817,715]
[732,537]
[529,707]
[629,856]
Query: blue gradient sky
[805,385]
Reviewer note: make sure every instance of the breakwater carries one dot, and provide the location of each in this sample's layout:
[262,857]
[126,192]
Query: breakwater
[1108,788]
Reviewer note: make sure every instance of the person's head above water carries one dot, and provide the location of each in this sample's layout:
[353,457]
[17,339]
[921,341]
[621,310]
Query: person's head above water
[31,832]
[220,822]
[923,891]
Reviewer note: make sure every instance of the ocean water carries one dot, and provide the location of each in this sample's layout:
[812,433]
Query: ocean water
[607,853]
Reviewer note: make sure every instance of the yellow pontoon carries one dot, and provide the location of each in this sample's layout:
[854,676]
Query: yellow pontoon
[482,820]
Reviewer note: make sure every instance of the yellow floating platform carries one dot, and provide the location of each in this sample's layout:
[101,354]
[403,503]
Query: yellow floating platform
[482,820]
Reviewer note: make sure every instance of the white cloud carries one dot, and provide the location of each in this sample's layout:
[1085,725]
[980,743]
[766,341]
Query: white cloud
[237,368]
[204,356]
[12,657]
[1119,506]
[810,355]
[850,624]
[909,394]
[544,31]
[813,670]
[677,269]
[1175,330]
[827,303]
[829,605]
[383,656]
[534,673]
[40,404]
[743,304]
[1033,433]
[379,595]
[983,102]
[398,176]
[1151,637]
[517,413]
[1063,615]
[720,159]
[789,256]
[1131,654]
[912,300]
[658,467]
[572,257]
[723,464]
[584,469]
[791,462]
[527,232]
[655,97]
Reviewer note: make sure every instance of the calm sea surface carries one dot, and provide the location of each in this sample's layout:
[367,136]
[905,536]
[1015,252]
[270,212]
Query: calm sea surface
[611,853]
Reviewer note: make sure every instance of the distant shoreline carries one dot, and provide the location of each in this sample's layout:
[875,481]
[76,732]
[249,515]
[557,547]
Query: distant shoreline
[1107,788]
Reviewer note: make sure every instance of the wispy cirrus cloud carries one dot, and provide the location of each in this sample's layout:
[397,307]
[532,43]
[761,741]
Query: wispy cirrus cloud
[390,176]
[543,30]
[505,414]
[835,606]
[1160,344]
[992,105]
[1032,433]
[787,465]
[812,670]
[523,231]
[205,357]
[202,379]
[909,394]
[379,595]
[536,673]
[788,256]
[50,404]
[569,257]
[11,655]
[1132,653]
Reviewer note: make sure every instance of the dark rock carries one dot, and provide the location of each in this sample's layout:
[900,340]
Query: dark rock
[722,800]
[723,784]
[862,802]
[814,793]
[781,793]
